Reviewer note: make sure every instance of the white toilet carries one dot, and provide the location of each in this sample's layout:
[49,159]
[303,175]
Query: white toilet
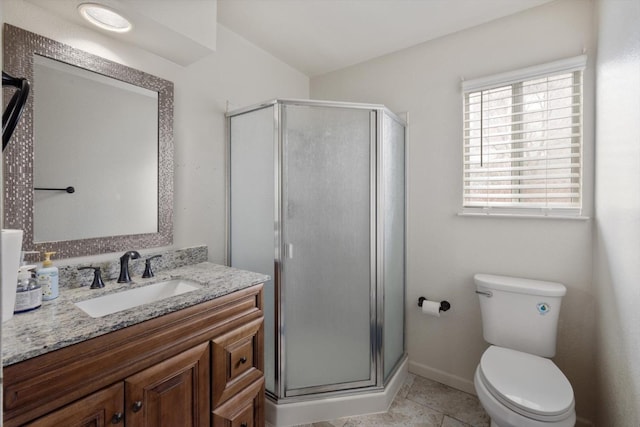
[516,383]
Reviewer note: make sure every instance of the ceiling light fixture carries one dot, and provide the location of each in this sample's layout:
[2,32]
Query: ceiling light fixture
[104,17]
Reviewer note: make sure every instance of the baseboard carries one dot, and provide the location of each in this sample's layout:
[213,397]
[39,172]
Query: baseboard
[442,377]
[461,383]
[581,422]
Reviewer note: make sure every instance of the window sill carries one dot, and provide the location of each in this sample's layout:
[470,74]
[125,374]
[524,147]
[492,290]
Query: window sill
[524,216]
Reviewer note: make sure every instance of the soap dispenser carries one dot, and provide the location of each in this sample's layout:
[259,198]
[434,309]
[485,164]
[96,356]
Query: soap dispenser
[48,278]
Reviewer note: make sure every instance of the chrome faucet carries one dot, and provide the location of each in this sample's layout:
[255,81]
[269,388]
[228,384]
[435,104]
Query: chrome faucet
[124,266]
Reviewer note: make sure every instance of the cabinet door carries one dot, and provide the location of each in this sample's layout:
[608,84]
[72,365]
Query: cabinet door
[237,360]
[173,393]
[100,409]
[245,409]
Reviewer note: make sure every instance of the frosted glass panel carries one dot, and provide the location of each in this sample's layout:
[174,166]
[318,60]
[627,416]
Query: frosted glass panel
[326,230]
[393,183]
[252,211]
[324,185]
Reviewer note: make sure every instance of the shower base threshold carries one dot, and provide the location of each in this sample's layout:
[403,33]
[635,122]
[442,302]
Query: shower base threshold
[322,409]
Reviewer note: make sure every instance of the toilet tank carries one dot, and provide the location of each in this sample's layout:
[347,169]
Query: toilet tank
[521,314]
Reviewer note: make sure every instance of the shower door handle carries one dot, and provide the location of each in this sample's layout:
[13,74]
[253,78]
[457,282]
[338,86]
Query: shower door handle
[288,249]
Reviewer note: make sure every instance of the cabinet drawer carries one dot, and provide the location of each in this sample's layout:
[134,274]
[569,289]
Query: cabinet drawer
[236,360]
[245,409]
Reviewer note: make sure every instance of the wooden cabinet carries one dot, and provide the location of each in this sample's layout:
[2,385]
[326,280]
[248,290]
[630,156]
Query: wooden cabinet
[172,393]
[192,368]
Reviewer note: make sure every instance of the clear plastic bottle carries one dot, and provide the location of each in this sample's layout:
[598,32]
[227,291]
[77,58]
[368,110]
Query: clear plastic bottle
[28,292]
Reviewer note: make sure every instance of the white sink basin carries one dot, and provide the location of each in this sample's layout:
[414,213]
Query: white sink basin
[113,303]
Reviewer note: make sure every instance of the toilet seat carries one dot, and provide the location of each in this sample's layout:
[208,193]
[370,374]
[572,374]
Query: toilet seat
[527,384]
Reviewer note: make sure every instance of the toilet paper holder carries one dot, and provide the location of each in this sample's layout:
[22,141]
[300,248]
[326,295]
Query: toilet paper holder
[444,305]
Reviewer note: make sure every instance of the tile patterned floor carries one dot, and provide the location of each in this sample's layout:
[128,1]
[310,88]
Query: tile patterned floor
[421,403]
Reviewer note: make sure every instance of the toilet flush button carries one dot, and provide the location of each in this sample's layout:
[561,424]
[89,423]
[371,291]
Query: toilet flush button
[543,308]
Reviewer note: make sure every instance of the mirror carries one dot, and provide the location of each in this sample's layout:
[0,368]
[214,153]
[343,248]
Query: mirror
[89,169]
[105,200]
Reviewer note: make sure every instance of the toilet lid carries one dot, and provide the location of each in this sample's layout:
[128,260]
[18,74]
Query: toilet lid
[527,383]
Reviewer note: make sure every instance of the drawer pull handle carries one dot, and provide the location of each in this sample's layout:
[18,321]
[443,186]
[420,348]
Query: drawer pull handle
[243,360]
[244,425]
[137,406]
[117,417]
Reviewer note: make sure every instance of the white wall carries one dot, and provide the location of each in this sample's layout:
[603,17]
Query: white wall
[617,242]
[237,72]
[445,250]
[244,75]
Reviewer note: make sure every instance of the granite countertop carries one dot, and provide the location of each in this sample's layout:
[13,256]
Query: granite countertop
[59,323]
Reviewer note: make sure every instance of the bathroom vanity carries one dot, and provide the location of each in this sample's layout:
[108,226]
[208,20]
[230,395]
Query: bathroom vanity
[191,360]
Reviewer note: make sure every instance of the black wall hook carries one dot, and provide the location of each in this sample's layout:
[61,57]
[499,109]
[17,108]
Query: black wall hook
[444,305]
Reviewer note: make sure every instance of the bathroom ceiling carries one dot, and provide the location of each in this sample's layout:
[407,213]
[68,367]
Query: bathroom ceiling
[182,31]
[319,36]
[312,36]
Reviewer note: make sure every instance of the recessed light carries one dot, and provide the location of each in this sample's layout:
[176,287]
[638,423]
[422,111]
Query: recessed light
[104,17]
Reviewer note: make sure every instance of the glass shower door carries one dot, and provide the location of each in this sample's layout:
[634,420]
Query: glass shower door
[252,212]
[327,298]
[392,174]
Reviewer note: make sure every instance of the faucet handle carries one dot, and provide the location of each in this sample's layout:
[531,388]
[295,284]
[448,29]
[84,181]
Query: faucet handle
[147,267]
[97,278]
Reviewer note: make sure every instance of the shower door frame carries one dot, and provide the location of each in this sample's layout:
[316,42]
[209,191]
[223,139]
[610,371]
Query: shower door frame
[283,391]
[376,380]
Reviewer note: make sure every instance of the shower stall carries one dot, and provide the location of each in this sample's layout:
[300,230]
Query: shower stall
[317,201]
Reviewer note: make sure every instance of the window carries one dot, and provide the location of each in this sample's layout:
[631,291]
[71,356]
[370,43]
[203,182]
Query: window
[523,141]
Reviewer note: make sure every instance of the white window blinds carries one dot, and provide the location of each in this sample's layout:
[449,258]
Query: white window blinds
[523,140]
